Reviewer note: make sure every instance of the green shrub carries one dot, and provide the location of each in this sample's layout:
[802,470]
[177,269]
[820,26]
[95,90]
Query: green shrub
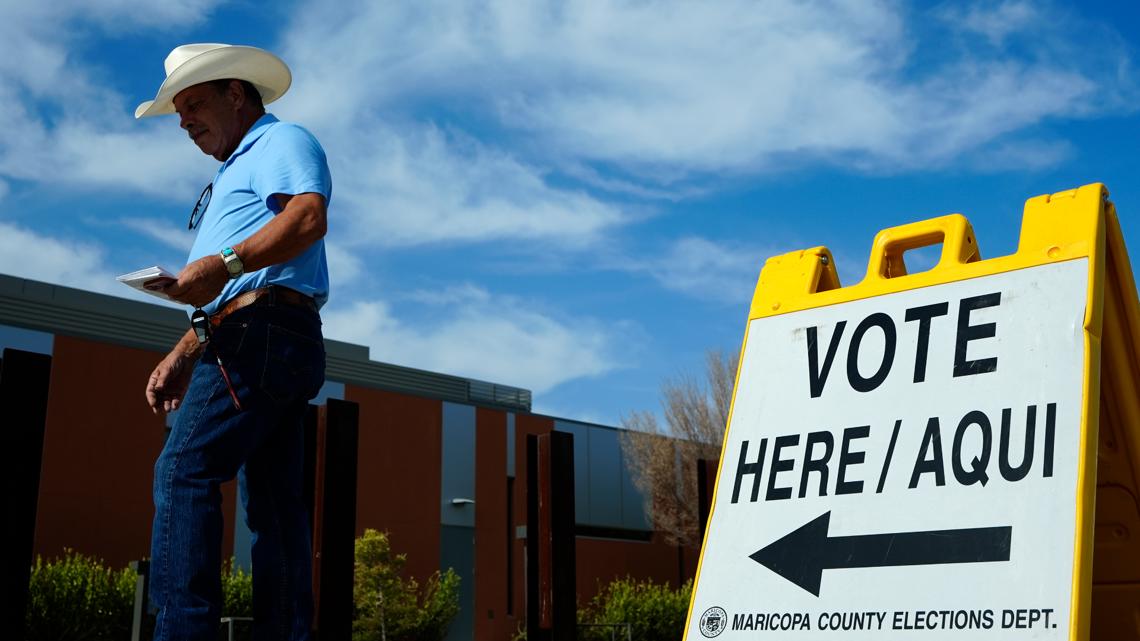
[655,612]
[387,606]
[237,600]
[77,598]
[237,591]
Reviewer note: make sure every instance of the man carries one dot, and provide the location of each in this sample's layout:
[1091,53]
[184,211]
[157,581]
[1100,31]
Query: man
[258,269]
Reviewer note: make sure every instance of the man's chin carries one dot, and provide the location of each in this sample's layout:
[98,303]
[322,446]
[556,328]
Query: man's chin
[209,151]
[202,141]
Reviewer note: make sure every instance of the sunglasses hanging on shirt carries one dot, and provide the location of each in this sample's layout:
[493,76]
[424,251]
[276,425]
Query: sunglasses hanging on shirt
[200,207]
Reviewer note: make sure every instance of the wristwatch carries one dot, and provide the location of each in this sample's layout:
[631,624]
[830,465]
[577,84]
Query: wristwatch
[233,264]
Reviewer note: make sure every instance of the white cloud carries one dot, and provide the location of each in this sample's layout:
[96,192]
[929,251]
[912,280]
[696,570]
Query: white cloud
[64,127]
[178,238]
[666,89]
[82,265]
[27,254]
[1030,154]
[634,100]
[344,266]
[719,271]
[156,159]
[994,21]
[498,340]
[394,186]
[85,148]
[417,185]
[460,293]
[573,412]
[112,15]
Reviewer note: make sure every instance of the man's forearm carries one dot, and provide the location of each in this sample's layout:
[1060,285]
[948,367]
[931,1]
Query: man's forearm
[301,223]
[188,345]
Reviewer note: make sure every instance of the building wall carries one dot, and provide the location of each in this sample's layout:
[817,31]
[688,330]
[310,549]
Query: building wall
[600,561]
[398,482]
[493,536]
[100,444]
[101,441]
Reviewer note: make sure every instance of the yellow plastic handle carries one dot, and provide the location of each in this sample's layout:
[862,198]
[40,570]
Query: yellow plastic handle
[954,232]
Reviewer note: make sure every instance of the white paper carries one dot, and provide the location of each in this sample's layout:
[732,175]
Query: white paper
[141,278]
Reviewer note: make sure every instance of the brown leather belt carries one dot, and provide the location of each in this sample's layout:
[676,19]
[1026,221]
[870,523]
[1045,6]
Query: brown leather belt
[271,295]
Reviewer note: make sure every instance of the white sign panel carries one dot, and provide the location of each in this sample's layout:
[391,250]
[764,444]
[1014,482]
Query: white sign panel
[904,467]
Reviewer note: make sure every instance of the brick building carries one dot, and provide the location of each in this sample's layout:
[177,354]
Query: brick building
[441,458]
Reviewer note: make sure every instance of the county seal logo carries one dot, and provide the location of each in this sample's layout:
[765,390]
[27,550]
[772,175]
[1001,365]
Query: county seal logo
[713,622]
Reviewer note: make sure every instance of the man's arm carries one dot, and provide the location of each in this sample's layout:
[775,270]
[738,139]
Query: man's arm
[303,221]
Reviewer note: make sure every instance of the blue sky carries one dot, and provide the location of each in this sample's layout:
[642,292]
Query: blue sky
[573,197]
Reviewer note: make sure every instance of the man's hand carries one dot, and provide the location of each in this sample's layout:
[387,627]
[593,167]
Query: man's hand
[199,282]
[169,380]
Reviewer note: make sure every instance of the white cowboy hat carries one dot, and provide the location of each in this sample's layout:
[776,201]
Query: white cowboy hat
[189,65]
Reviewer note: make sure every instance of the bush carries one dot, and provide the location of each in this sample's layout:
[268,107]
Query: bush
[237,591]
[76,597]
[655,612]
[387,606]
[237,600]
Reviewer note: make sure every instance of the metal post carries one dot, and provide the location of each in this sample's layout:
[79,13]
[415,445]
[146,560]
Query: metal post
[229,623]
[334,531]
[563,536]
[706,480]
[536,555]
[551,538]
[24,380]
[141,614]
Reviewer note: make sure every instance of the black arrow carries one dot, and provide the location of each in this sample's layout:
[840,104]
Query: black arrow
[802,555]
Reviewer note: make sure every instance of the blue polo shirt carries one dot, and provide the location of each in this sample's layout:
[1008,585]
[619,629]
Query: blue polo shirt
[274,157]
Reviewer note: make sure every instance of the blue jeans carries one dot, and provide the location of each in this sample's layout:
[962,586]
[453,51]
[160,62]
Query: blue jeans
[276,361]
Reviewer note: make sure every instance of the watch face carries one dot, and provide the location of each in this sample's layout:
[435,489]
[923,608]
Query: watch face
[233,263]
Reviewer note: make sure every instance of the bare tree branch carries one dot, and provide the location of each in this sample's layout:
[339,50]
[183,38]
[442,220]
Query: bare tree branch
[662,459]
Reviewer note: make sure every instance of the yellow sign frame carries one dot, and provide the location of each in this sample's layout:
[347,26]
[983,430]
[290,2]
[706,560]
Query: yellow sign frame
[1079,223]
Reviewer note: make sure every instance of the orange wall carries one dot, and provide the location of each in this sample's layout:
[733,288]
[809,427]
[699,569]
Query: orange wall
[100,444]
[398,482]
[101,441]
[600,561]
[491,620]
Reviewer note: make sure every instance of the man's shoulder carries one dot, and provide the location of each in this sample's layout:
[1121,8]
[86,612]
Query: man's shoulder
[291,134]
